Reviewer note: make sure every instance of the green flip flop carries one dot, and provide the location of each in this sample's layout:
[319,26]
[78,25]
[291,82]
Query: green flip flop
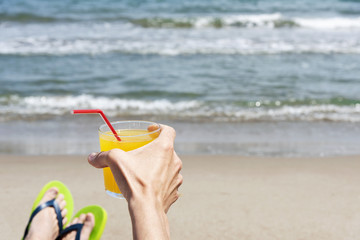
[100,215]
[36,208]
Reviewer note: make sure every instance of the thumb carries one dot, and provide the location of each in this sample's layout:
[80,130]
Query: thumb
[98,160]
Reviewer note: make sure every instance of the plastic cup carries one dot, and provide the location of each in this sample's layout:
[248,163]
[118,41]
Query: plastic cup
[133,134]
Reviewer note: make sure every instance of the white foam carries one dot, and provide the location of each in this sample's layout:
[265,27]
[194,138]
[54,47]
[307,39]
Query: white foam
[269,20]
[186,110]
[328,23]
[59,105]
[100,38]
[259,20]
[218,45]
[304,113]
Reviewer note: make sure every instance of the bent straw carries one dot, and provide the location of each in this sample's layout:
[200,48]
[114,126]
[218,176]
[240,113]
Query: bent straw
[87,111]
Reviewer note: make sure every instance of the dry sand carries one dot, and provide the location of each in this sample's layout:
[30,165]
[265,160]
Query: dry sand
[223,197]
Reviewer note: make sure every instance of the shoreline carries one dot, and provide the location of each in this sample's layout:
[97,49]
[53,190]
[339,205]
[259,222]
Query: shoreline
[223,197]
[276,139]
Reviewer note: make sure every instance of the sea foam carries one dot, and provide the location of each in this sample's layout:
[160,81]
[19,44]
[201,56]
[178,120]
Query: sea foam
[224,46]
[274,20]
[223,35]
[37,106]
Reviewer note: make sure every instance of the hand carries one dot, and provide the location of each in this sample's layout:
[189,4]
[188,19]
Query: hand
[150,173]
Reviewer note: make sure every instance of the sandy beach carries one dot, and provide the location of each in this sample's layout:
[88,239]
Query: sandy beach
[264,97]
[223,197]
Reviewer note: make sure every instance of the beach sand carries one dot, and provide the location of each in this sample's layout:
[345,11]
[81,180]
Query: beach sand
[223,197]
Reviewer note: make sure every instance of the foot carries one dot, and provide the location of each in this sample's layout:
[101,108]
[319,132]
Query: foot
[44,225]
[89,222]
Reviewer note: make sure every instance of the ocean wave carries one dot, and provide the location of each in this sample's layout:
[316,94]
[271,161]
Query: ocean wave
[328,23]
[37,107]
[27,18]
[173,47]
[243,21]
[274,20]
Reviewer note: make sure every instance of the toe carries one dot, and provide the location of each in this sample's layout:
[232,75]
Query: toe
[64,212]
[50,194]
[62,205]
[90,220]
[82,218]
[64,221]
[72,234]
[45,225]
[60,200]
[75,220]
[60,197]
[89,223]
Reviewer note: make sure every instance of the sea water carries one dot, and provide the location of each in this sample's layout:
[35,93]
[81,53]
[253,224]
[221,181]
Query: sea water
[250,77]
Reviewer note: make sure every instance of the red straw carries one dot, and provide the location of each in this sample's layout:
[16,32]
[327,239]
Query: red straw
[87,111]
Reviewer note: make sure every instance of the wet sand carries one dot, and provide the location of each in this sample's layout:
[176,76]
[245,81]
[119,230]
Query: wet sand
[223,197]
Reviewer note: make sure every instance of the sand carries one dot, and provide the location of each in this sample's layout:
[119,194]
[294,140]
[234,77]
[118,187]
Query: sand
[223,197]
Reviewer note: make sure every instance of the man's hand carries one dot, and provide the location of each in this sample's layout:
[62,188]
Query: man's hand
[149,178]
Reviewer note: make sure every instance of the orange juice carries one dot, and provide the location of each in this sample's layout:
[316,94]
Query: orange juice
[130,139]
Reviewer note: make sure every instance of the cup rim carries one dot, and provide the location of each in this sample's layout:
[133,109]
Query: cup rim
[127,121]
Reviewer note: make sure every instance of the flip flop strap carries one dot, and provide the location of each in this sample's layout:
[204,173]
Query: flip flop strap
[75,227]
[51,203]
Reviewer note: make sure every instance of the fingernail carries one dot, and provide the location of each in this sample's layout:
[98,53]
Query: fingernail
[92,156]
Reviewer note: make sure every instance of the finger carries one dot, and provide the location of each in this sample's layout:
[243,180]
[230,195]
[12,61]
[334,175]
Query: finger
[98,160]
[176,183]
[165,141]
[178,162]
[171,199]
[153,127]
[154,130]
[180,181]
[167,132]
[175,177]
